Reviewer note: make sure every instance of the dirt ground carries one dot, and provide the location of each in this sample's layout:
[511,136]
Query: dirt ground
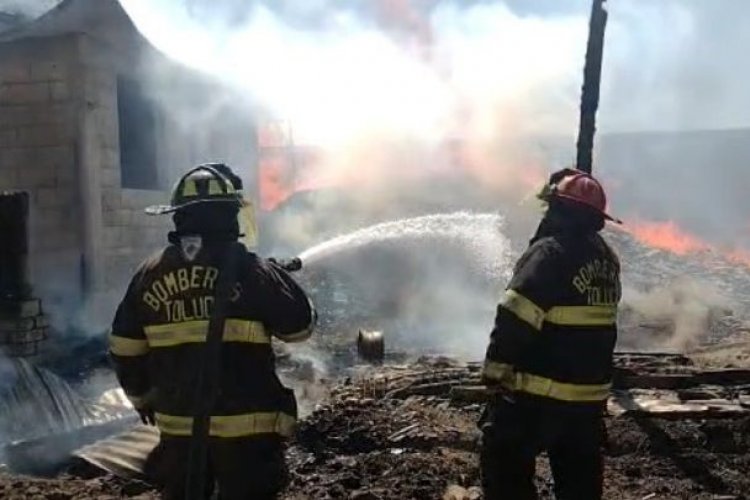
[397,433]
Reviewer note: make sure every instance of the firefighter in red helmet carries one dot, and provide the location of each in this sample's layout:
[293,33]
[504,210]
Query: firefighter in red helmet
[160,332]
[549,360]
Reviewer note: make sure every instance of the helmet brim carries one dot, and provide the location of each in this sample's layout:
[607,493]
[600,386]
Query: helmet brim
[582,203]
[168,209]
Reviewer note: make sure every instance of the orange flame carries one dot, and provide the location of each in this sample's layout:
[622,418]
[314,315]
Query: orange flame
[670,237]
[667,236]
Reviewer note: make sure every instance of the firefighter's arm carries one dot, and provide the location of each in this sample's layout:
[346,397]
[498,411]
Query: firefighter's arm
[288,312]
[520,313]
[129,352]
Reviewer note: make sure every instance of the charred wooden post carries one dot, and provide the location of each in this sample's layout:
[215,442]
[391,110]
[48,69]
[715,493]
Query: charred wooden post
[591,79]
[22,324]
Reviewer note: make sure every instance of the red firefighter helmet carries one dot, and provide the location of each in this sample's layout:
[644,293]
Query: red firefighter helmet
[582,189]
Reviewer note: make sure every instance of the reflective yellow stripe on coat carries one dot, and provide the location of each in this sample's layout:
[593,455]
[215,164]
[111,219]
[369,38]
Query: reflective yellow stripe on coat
[542,386]
[231,426]
[235,330]
[127,347]
[528,311]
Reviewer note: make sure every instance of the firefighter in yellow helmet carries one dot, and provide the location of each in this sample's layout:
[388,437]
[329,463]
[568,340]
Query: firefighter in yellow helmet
[160,329]
[550,353]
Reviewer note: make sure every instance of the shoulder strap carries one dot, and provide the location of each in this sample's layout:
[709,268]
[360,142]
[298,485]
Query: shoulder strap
[208,379]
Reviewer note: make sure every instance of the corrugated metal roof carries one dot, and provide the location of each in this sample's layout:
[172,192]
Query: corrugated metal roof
[123,455]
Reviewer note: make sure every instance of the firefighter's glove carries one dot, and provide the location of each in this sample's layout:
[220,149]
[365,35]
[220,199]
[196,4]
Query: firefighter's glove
[289,265]
[498,376]
[143,405]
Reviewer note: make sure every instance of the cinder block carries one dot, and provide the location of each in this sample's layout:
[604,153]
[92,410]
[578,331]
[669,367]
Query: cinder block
[54,197]
[52,156]
[53,113]
[109,237]
[65,176]
[127,217]
[14,157]
[24,93]
[111,159]
[14,71]
[17,324]
[8,177]
[13,309]
[52,134]
[109,217]
[67,239]
[48,70]
[47,198]
[110,177]
[8,138]
[30,177]
[111,199]
[15,116]
[21,350]
[60,91]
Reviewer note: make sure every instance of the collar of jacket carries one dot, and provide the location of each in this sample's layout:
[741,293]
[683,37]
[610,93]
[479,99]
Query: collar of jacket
[566,223]
[174,237]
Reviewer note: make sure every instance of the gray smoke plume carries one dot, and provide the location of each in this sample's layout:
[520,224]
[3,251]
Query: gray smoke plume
[678,315]
[27,8]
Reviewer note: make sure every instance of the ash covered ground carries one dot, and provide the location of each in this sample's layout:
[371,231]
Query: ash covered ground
[408,431]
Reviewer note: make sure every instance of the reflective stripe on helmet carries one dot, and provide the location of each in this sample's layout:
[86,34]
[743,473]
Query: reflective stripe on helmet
[214,188]
[235,330]
[231,426]
[189,188]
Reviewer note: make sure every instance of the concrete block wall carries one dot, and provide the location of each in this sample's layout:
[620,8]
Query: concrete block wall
[38,149]
[125,234]
[59,140]
[130,235]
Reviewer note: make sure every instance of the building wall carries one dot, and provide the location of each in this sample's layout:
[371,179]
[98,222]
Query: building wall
[60,141]
[38,154]
[193,126]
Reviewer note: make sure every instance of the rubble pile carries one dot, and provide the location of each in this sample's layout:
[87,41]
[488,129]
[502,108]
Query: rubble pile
[72,488]
[409,431]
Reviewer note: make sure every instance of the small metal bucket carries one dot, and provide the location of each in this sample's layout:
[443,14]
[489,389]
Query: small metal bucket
[371,346]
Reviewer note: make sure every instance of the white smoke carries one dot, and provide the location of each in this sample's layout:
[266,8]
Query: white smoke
[353,78]
[678,315]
